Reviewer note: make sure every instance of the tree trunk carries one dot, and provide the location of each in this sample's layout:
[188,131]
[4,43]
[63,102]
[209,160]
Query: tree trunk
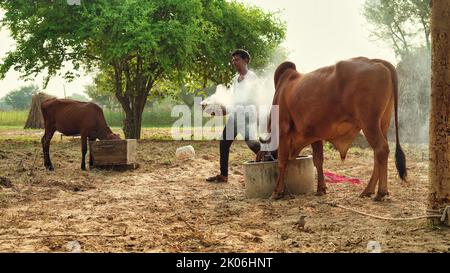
[439,147]
[133,118]
[132,89]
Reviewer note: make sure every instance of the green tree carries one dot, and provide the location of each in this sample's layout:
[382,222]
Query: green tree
[145,46]
[102,91]
[234,25]
[406,25]
[403,23]
[20,99]
[104,100]
[4,106]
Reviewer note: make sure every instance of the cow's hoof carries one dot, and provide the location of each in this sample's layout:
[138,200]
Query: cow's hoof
[83,168]
[50,168]
[277,195]
[380,197]
[366,194]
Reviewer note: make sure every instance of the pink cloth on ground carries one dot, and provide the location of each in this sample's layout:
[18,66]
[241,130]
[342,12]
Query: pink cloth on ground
[334,178]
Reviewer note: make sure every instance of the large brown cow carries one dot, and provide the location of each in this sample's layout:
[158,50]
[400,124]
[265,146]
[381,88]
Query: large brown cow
[71,118]
[334,103]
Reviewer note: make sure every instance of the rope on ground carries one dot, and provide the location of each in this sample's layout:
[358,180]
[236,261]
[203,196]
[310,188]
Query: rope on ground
[386,218]
[59,235]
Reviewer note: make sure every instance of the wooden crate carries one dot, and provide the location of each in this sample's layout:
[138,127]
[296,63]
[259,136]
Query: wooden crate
[113,152]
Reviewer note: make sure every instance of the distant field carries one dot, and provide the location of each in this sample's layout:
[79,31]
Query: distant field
[114,118]
[13,118]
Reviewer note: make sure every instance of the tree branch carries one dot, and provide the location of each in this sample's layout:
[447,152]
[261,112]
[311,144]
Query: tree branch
[399,38]
[124,100]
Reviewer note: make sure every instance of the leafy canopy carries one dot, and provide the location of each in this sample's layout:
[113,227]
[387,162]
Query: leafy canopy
[404,23]
[177,40]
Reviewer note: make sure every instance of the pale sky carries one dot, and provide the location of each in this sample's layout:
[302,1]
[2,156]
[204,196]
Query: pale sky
[319,33]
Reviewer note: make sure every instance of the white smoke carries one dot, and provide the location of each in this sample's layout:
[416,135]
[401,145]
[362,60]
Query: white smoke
[222,97]
[257,91]
[253,91]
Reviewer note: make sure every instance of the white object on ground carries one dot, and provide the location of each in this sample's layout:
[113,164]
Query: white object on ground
[373,247]
[185,152]
[74,247]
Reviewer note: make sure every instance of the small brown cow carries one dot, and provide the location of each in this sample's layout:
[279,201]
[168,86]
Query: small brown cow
[70,118]
[334,103]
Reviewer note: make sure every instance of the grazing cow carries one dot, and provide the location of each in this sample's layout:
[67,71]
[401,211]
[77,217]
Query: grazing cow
[70,118]
[334,103]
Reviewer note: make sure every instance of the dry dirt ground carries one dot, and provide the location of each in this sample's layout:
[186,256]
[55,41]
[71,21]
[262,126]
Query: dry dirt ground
[166,206]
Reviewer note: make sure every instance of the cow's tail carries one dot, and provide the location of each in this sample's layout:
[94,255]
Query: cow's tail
[400,160]
[277,75]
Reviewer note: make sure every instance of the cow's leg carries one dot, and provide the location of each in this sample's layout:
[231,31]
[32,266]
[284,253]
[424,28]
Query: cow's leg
[386,119]
[384,153]
[83,150]
[380,147]
[385,122]
[91,157]
[45,141]
[317,148]
[370,189]
[279,188]
[283,156]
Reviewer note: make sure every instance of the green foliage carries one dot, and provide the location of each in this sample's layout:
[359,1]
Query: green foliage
[4,106]
[21,98]
[104,99]
[403,23]
[102,91]
[99,33]
[231,25]
[144,47]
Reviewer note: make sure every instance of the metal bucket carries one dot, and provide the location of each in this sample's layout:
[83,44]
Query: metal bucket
[261,177]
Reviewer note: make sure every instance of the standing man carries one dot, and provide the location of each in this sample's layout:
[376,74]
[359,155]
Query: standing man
[243,96]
